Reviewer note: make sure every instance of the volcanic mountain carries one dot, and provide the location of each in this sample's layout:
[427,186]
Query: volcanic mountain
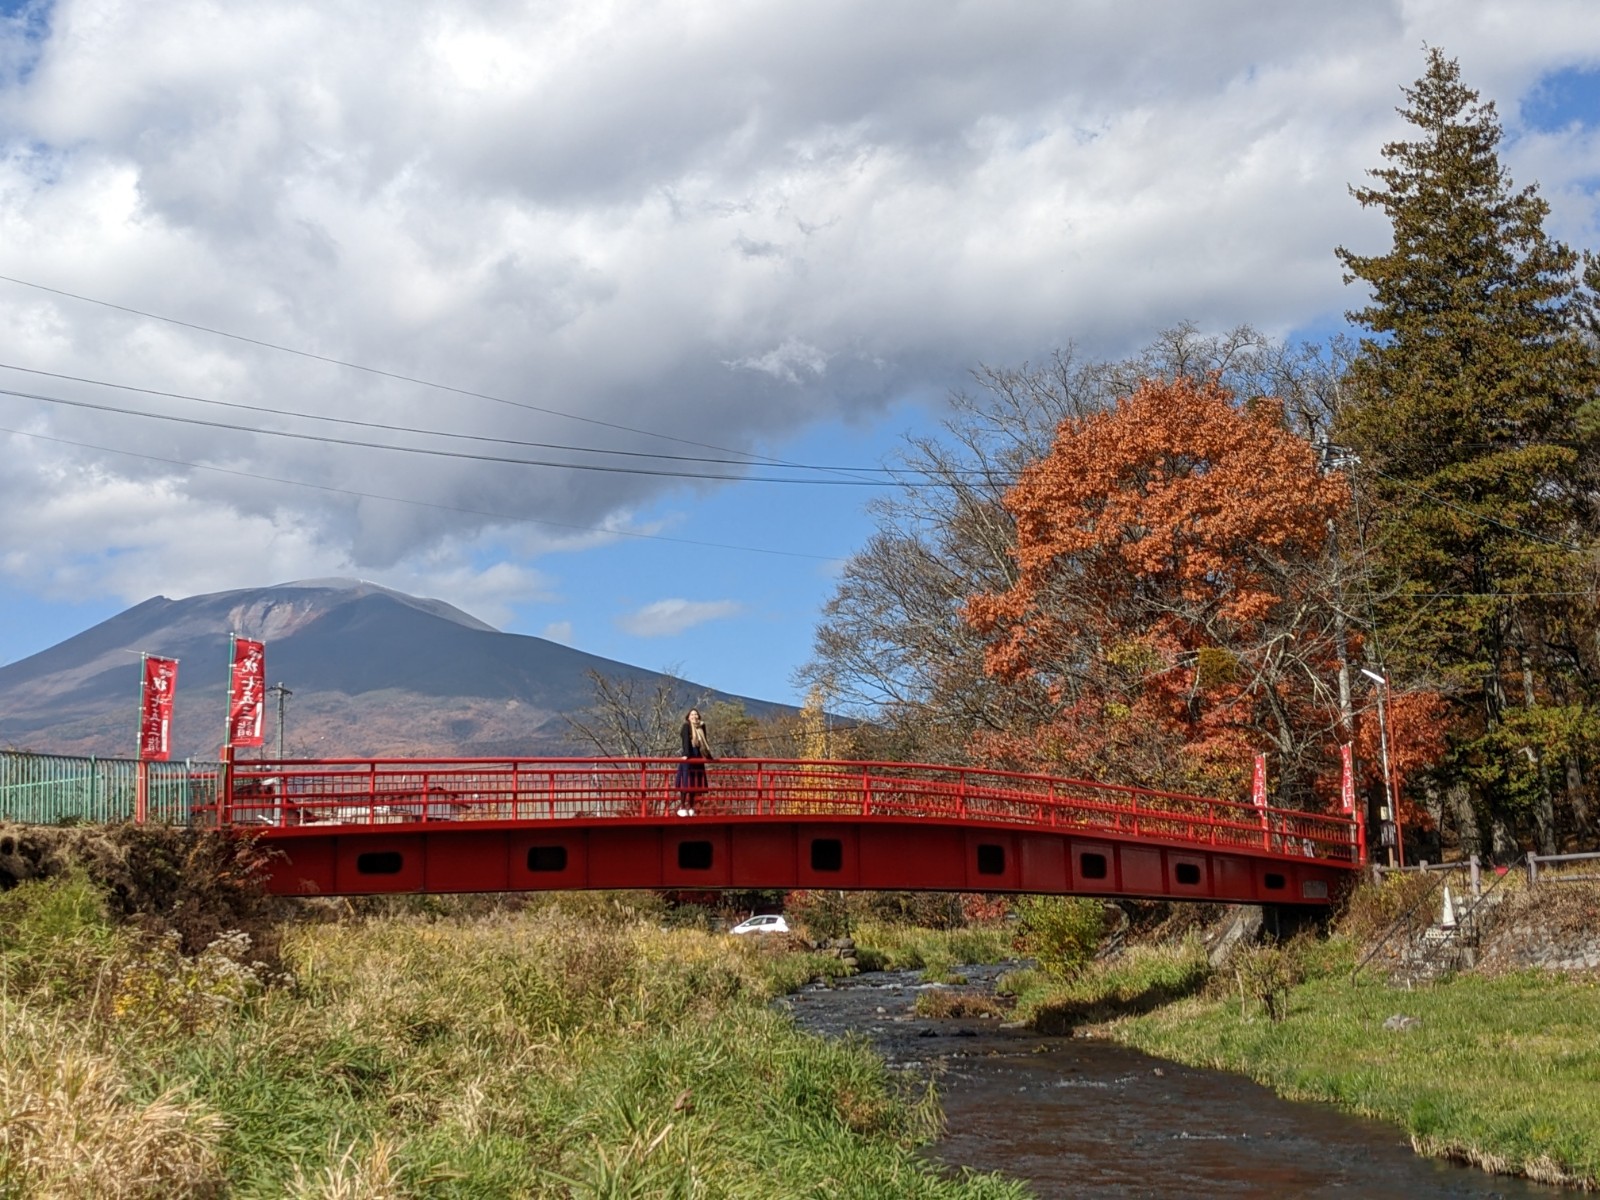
[373,673]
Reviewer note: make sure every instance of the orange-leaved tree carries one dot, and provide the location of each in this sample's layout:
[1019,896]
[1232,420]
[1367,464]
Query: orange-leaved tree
[1173,597]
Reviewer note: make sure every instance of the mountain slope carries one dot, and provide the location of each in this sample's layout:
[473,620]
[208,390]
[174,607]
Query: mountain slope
[372,672]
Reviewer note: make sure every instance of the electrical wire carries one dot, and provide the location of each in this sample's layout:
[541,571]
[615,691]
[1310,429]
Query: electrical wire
[475,512]
[432,452]
[473,437]
[383,374]
[1510,528]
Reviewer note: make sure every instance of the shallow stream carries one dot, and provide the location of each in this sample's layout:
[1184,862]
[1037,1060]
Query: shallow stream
[1086,1118]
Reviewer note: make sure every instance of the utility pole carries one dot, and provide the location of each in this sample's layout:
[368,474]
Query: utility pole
[1390,815]
[1337,458]
[283,695]
[1332,457]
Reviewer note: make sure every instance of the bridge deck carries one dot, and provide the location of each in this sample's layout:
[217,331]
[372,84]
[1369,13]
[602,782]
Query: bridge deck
[363,826]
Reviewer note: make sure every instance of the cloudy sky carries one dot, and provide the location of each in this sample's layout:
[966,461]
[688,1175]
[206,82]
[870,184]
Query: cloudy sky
[703,234]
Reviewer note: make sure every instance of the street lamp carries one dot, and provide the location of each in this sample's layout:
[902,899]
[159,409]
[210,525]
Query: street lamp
[1391,814]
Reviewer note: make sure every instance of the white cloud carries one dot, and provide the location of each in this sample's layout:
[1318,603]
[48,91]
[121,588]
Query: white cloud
[665,618]
[558,631]
[87,531]
[722,224]
[786,361]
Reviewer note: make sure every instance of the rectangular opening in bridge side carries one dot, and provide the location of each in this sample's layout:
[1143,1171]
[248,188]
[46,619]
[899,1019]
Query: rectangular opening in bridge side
[380,862]
[547,858]
[694,856]
[827,854]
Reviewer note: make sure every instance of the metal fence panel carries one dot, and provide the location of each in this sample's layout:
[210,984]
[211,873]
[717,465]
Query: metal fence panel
[57,789]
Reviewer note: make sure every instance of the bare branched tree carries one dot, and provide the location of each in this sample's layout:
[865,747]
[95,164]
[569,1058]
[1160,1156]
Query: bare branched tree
[634,716]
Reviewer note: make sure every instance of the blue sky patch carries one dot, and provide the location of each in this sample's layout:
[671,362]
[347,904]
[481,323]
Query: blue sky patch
[1561,98]
[24,24]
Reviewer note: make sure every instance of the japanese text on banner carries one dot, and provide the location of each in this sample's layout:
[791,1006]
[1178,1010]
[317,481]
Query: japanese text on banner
[247,686]
[157,686]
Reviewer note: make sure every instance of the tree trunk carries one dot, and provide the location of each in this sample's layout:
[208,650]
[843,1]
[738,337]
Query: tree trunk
[1578,799]
[1433,805]
[1503,838]
[1459,799]
[1544,801]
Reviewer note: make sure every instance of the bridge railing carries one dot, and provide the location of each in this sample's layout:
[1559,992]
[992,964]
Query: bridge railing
[391,791]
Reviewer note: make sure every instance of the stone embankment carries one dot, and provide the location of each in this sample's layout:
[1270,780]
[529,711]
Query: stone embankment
[1553,926]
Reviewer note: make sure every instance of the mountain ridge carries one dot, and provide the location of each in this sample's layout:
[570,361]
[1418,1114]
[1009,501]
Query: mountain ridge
[372,672]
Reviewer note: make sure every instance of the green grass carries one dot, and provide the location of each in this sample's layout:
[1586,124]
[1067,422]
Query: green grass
[535,1053]
[1503,1072]
[881,946]
[1138,980]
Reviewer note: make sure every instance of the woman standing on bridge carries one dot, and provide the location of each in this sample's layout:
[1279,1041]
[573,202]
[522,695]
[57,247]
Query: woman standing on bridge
[691,781]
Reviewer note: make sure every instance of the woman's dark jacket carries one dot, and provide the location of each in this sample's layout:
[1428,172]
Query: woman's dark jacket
[686,736]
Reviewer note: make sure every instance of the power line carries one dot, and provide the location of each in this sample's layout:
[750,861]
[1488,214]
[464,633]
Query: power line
[1506,525]
[433,452]
[473,437]
[383,374]
[475,512]
[1402,596]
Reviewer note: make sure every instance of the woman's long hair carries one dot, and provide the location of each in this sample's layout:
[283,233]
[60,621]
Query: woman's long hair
[696,726]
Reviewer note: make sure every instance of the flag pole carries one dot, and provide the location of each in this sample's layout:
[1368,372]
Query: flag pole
[225,799]
[141,786]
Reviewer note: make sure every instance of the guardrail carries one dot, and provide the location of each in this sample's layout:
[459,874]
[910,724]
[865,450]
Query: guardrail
[296,793]
[1535,860]
[1472,866]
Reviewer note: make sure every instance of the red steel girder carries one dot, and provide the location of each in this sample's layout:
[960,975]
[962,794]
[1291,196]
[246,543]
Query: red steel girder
[783,851]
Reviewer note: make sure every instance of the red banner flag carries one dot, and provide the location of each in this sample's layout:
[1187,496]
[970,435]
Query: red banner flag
[156,687]
[247,692]
[1347,782]
[1258,784]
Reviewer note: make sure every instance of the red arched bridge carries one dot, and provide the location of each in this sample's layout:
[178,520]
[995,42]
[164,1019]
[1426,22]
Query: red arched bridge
[348,827]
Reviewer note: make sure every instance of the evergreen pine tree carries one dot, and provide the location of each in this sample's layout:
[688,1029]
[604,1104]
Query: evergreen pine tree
[1467,411]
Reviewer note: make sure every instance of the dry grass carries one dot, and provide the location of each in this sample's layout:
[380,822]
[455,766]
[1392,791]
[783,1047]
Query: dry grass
[559,1050]
[942,1004]
[70,1127]
[351,1174]
[1372,910]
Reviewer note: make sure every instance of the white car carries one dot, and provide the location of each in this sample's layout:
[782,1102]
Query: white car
[767,924]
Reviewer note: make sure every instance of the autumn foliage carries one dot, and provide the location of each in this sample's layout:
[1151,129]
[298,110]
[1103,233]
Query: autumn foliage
[1171,599]
[1417,722]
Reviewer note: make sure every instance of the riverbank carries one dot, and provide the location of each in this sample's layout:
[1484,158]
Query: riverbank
[1092,1120]
[569,1048]
[1499,1071]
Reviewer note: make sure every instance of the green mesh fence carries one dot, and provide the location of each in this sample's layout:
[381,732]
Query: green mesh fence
[56,789]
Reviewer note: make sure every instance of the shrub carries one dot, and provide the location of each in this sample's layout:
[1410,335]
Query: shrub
[1371,908]
[163,992]
[1062,933]
[55,937]
[1266,974]
[825,914]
